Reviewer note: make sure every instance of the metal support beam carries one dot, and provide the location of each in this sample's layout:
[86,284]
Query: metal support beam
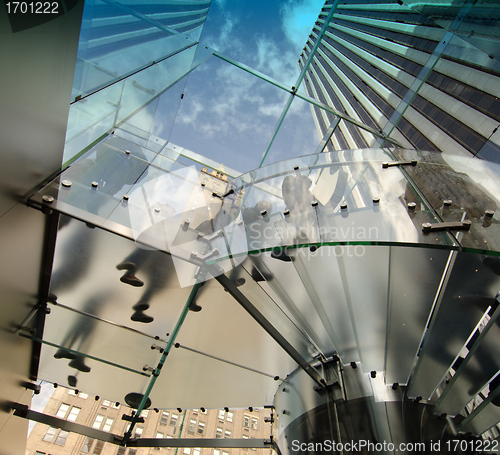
[269,328]
[23,411]
[201,442]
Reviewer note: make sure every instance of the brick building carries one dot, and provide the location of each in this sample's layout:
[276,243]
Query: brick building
[105,415]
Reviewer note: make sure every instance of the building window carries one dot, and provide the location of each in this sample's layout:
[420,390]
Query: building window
[63,409]
[187,451]
[159,435]
[229,416]
[87,445]
[173,419]
[218,433]
[216,452]
[98,421]
[105,404]
[255,423]
[192,426]
[108,424]
[39,453]
[73,414]
[225,453]
[121,451]
[79,395]
[138,432]
[201,428]
[132,452]
[221,414]
[145,413]
[246,421]
[164,418]
[196,451]
[98,448]
[61,437]
[227,434]
[50,434]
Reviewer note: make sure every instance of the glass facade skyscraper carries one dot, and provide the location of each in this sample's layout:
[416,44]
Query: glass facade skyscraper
[427,75]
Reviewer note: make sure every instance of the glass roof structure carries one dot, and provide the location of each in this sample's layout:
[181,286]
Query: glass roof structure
[213,245]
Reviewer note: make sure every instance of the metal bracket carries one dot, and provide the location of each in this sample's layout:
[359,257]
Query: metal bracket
[454,225]
[387,164]
[326,386]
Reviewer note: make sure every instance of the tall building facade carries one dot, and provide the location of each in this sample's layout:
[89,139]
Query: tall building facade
[412,72]
[94,412]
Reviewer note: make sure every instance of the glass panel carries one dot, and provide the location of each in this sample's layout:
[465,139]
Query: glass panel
[122,276]
[218,110]
[481,366]
[469,290]
[144,33]
[122,100]
[488,416]
[223,329]
[78,333]
[199,374]
[297,135]
[102,380]
[470,184]
[114,171]
[414,279]
[274,306]
[365,274]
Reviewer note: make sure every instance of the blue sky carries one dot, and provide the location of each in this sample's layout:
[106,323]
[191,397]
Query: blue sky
[230,115]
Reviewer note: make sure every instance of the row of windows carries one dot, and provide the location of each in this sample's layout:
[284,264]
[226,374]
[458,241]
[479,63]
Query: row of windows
[335,101]
[353,130]
[391,83]
[479,100]
[471,140]
[403,16]
[422,44]
[366,118]
[414,136]
[396,60]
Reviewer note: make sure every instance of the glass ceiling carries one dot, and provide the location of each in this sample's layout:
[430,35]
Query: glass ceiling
[189,156]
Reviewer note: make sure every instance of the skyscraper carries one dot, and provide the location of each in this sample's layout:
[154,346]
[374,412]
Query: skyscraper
[415,72]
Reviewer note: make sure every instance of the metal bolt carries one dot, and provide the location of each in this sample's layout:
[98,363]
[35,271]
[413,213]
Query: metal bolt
[125,197]
[489,213]
[94,184]
[447,202]
[412,205]
[157,210]
[426,227]
[47,198]
[66,183]
[127,152]
[296,168]
[263,212]
[343,206]
[376,200]
[314,203]
[286,213]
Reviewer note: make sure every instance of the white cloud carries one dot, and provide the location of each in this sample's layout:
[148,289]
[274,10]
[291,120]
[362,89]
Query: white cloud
[298,18]
[276,63]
